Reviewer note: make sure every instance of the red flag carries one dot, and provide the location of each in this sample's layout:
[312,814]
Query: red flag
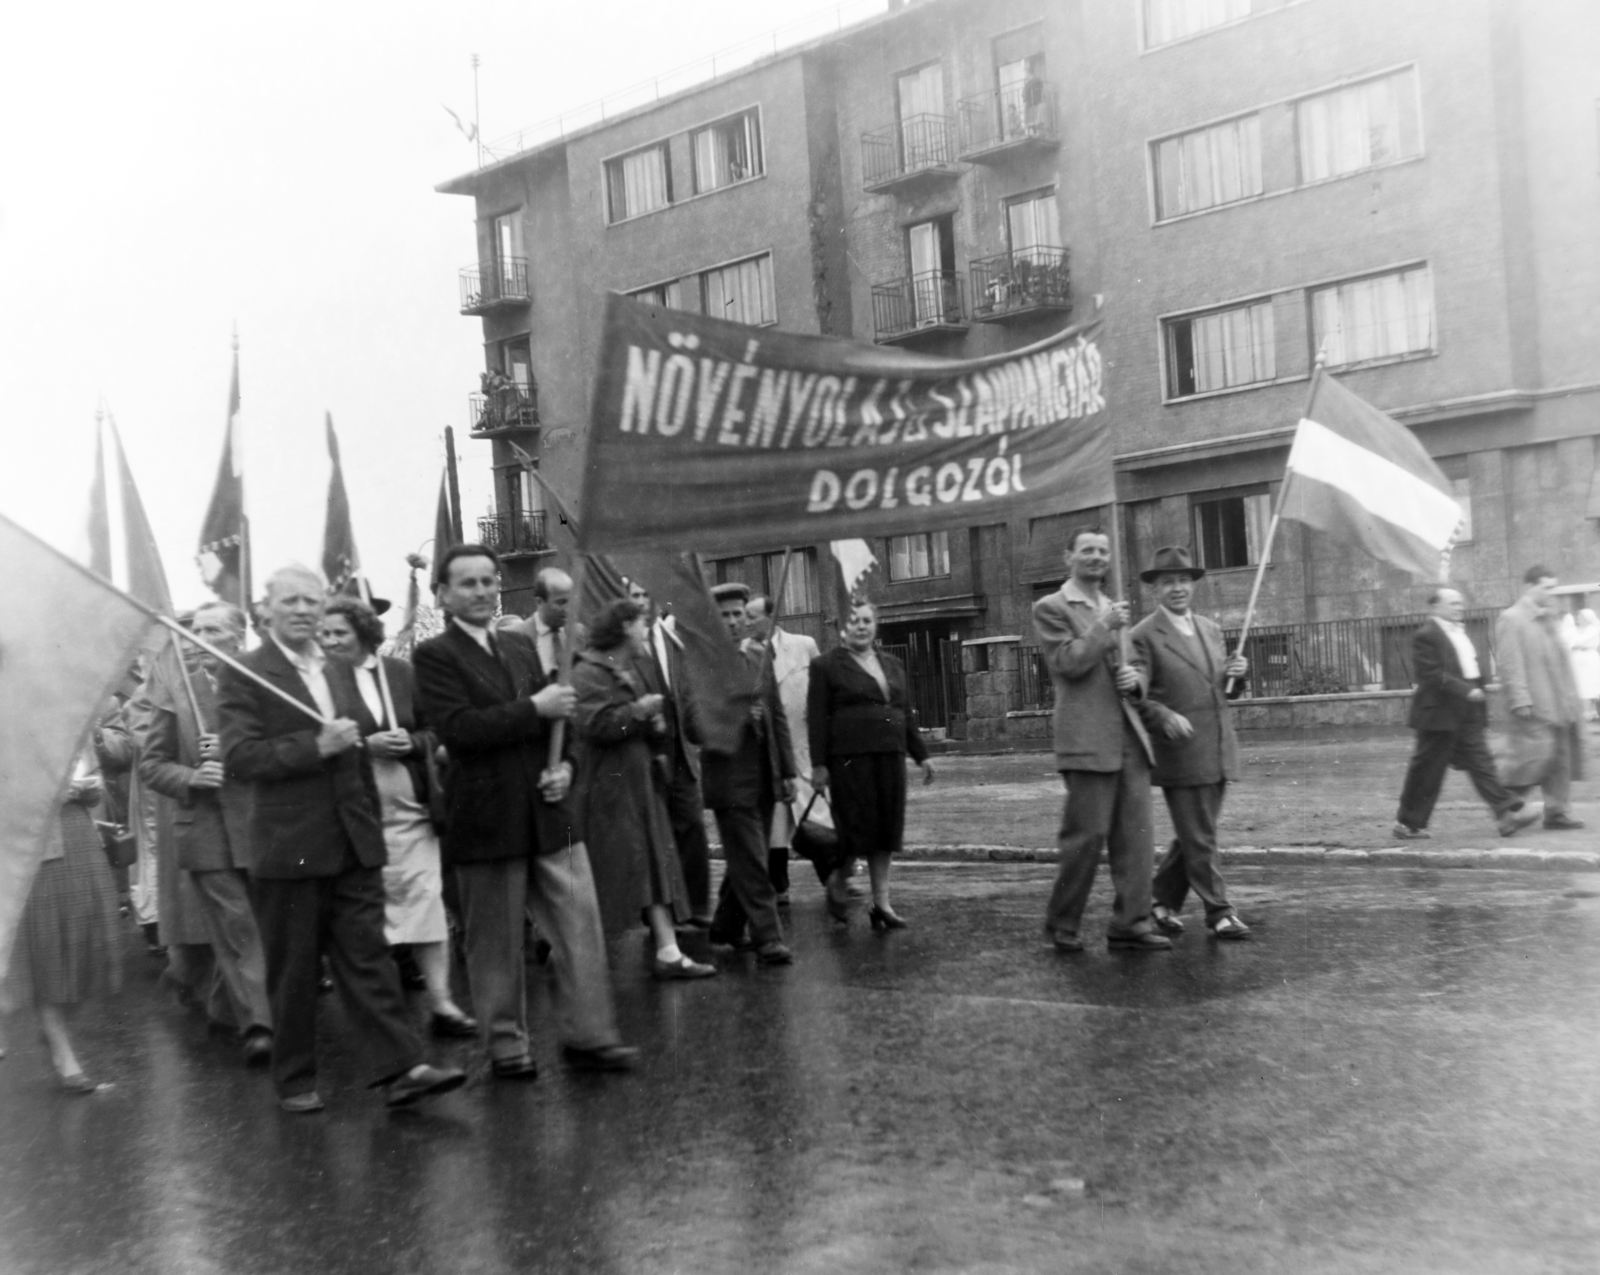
[99,509]
[224,556]
[340,562]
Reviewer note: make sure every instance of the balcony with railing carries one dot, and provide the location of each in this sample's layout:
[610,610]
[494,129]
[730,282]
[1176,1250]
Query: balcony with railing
[1016,284]
[497,284]
[919,149]
[503,405]
[1017,120]
[513,534]
[920,305]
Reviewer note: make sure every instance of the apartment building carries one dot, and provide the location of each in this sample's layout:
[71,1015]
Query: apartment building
[1231,186]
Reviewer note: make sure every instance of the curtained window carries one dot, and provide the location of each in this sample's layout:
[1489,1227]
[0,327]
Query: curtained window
[727,152]
[1360,126]
[742,292]
[1232,530]
[1168,20]
[920,556]
[638,183]
[1208,167]
[1380,317]
[1221,350]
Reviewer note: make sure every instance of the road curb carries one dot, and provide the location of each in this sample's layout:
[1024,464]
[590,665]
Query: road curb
[1520,858]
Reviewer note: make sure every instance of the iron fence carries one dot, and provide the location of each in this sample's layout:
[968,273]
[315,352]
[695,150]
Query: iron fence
[514,533]
[502,282]
[1015,116]
[917,144]
[504,404]
[903,307]
[1019,282]
[937,683]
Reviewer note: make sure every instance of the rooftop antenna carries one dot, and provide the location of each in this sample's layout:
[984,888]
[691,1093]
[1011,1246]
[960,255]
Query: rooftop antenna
[477,123]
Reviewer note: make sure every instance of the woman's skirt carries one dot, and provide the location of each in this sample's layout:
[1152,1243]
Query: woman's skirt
[413,882]
[68,946]
[868,795]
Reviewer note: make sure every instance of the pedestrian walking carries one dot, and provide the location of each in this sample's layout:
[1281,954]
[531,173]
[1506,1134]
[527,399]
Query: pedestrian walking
[862,730]
[1449,713]
[1186,669]
[1102,752]
[1580,629]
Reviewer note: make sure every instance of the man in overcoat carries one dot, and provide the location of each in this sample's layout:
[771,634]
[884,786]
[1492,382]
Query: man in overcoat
[509,833]
[1186,670]
[1102,752]
[316,853]
[1449,713]
[181,758]
[1542,694]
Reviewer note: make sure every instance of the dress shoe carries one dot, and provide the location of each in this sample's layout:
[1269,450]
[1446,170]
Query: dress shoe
[1166,920]
[883,919]
[1148,941]
[522,1067]
[721,938]
[1513,822]
[302,1104]
[682,968]
[456,1026]
[783,899]
[1562,823]
[76,1084]
[600,1058]
[257,1048]
[775,953]
[1405,832]
[694,923]
[422,1081]
[1229,927]
[1066,943]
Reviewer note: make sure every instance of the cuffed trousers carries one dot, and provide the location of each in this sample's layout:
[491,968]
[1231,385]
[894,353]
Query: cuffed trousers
[236,948]
[747,896]
[1436,752]
[687,811]
[1190,862]
[1105,810]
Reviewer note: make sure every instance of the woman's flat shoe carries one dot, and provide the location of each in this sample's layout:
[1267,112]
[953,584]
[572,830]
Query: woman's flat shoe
[883,919]
[76,1083]
[682,968]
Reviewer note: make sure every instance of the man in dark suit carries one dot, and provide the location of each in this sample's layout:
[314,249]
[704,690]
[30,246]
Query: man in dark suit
[1102,752]
[1450,716]
[1186,671]
[316,852]
[181,758]
[742,787]
[509,832]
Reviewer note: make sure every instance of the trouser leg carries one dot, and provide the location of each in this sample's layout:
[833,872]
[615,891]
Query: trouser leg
[1194,815]
[1472,755]
[493,900]
[1424,776]
[1128,843]
[1556,786]
[1170,885]
[366,976]
[235,945]
[1085,821]
[778,868]
[688,815]
[562,899]
[289,918]
[748,895]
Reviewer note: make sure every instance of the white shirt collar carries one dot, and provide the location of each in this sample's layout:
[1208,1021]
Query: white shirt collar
[479,633]
[1073,593]
[311,661]
[1184,623]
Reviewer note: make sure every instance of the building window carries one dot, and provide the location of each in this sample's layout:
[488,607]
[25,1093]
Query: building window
[931,249]
[638,183]
[919,557]
[801,596]
[1208,167]
[1360,126]
[726,152]
[740,293]
[1168,20]
[1231,530]
[919,97]
[1220,351]
[1381,317]
[1033,222]
[675,294]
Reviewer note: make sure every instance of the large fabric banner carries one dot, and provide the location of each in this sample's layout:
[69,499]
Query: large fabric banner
[718,437]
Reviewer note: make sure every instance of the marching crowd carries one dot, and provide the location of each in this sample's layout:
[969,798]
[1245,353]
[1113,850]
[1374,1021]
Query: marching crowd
[318,816]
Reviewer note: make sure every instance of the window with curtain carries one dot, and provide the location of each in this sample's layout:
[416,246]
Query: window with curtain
[800,593]
[675,294]
[1379,317]
[1034,221]
[1168,20]
[1359,126]
[742,292]
[920,97]
[638,183]
[1221,350]
[920,556]
[1208,167]
[1230,531]
[726,152]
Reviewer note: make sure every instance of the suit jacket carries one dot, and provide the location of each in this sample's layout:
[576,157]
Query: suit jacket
[846,711]
[481,709]
[1081,654]
[752,775]
[425,782]
[1440,701]
[310,816]
[683,727]
[210,826]
[1184,678]
[1535,666]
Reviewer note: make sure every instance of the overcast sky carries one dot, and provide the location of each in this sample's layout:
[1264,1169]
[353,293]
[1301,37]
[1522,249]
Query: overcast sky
[167,171]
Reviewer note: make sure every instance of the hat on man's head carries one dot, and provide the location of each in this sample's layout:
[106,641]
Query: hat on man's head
[733,589]
[1171,560]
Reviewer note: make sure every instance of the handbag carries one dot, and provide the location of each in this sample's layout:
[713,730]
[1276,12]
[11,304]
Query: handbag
[816,842]
[120,845]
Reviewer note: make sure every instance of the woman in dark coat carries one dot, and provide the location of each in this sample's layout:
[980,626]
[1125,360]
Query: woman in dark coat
[620,790]
[858,715]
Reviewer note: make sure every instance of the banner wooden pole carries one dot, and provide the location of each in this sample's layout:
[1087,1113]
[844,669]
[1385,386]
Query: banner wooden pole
[383,673]
[227,659]
[1116,577]
[558,734]
[188,689]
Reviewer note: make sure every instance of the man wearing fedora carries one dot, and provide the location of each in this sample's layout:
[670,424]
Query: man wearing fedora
[1185,705]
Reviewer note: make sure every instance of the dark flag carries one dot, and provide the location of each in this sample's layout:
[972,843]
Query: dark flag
[444,524]
[340,563]
[147,578]
[224,556]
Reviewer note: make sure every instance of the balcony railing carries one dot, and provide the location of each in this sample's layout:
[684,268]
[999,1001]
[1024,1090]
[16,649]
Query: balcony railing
[1014,120]
[514,533]
[922,303]
[1333,657]
[919,148]
[488,287]
[1026,281]
[503,405]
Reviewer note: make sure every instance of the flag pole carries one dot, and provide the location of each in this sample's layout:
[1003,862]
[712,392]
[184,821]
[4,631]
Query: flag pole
[1272,532]
[558,734]
[383,673]
[1116,577]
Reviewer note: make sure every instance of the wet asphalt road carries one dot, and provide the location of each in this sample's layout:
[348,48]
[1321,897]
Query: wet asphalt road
[1400,1075]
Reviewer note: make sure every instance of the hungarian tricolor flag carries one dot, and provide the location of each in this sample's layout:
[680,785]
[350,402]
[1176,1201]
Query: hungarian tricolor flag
[1363,477]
